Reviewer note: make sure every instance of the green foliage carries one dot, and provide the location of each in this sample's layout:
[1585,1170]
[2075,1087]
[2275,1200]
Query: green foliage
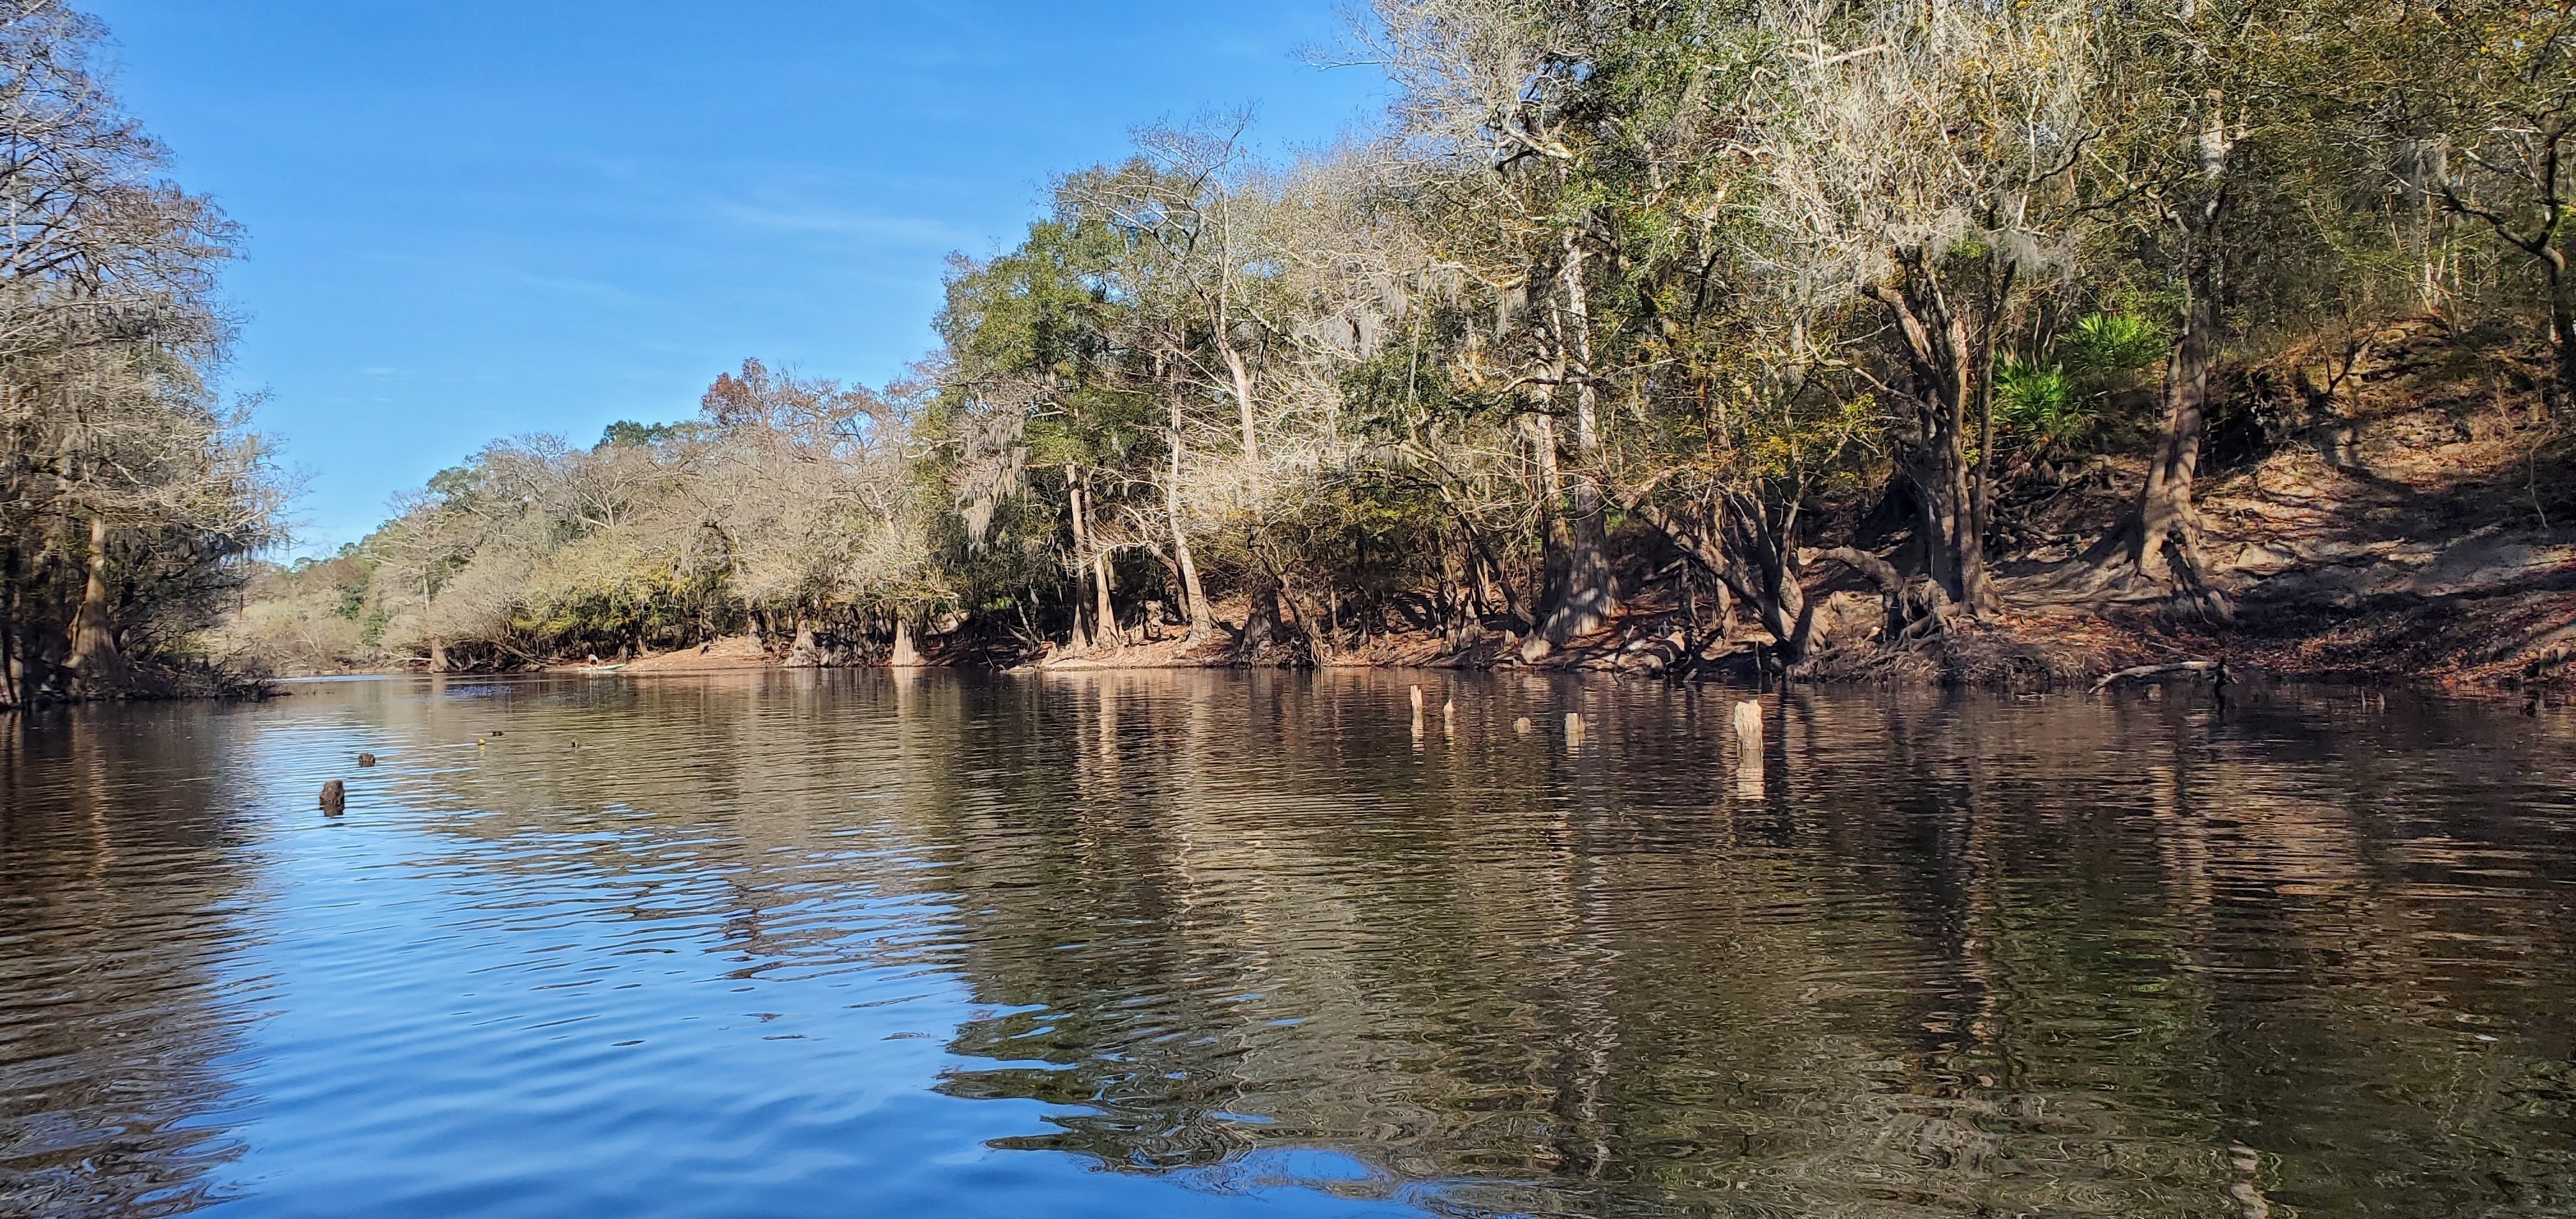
[455,483]
[2055,403]
[652,606]
[2104,346]
[2040,402]
[633,435]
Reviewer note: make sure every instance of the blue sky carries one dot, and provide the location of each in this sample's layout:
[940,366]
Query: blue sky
[471,218]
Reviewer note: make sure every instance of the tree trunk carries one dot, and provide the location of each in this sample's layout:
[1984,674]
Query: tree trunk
[1106,623]
[1498,587]
[1081,641]
[1944,364]
[1591,591]
[1753,555]
[1308,623]
[1981,505]
[903,656]
[1193,595]
[12,676]
[94,658]
[1260,622]
[804,654]
[1242,375]
[1493,581]
[2166,521]
[1455,610]
[2562,327]
[1945,503]
[1784,613]
[1556,540]
[437,654]
[1942,515]
[1967,537]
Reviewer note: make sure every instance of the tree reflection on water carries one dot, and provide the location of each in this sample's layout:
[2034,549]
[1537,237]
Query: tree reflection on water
[1943,955]
[1960,957]
[113,932]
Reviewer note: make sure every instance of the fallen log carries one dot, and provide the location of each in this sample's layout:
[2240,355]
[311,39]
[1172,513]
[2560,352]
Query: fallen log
[2215,670]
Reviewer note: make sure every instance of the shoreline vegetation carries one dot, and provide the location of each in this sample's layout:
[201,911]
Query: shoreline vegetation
[1831,340]
[132,498]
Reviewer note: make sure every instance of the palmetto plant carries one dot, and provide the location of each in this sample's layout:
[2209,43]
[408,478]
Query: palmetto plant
[2054,403]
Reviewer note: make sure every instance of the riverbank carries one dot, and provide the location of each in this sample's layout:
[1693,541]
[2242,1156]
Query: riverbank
[2508,637]
[2417,534]
[2392,509]
[2412,527]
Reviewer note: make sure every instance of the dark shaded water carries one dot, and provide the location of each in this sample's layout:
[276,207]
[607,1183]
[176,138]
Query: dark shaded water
[839,944]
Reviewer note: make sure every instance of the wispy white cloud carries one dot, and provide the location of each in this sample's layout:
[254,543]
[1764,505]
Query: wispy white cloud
[591,288]
[829,221]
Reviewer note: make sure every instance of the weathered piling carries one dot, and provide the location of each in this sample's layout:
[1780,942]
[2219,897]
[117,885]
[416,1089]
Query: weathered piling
[1748,749]
[366,759]
[335,797]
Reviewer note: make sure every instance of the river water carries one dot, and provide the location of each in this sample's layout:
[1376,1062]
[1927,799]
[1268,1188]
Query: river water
[789,944]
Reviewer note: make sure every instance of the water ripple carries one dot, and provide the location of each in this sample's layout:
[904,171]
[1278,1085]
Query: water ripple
[791,944]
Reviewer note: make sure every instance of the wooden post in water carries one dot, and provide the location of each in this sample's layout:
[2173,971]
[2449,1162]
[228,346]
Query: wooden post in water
[1449,718]
[1573,729]
[335,797]
[1415,694]
[1748,750]
[366,759]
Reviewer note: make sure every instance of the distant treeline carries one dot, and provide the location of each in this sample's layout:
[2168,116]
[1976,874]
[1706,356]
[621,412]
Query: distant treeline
[1762,288]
